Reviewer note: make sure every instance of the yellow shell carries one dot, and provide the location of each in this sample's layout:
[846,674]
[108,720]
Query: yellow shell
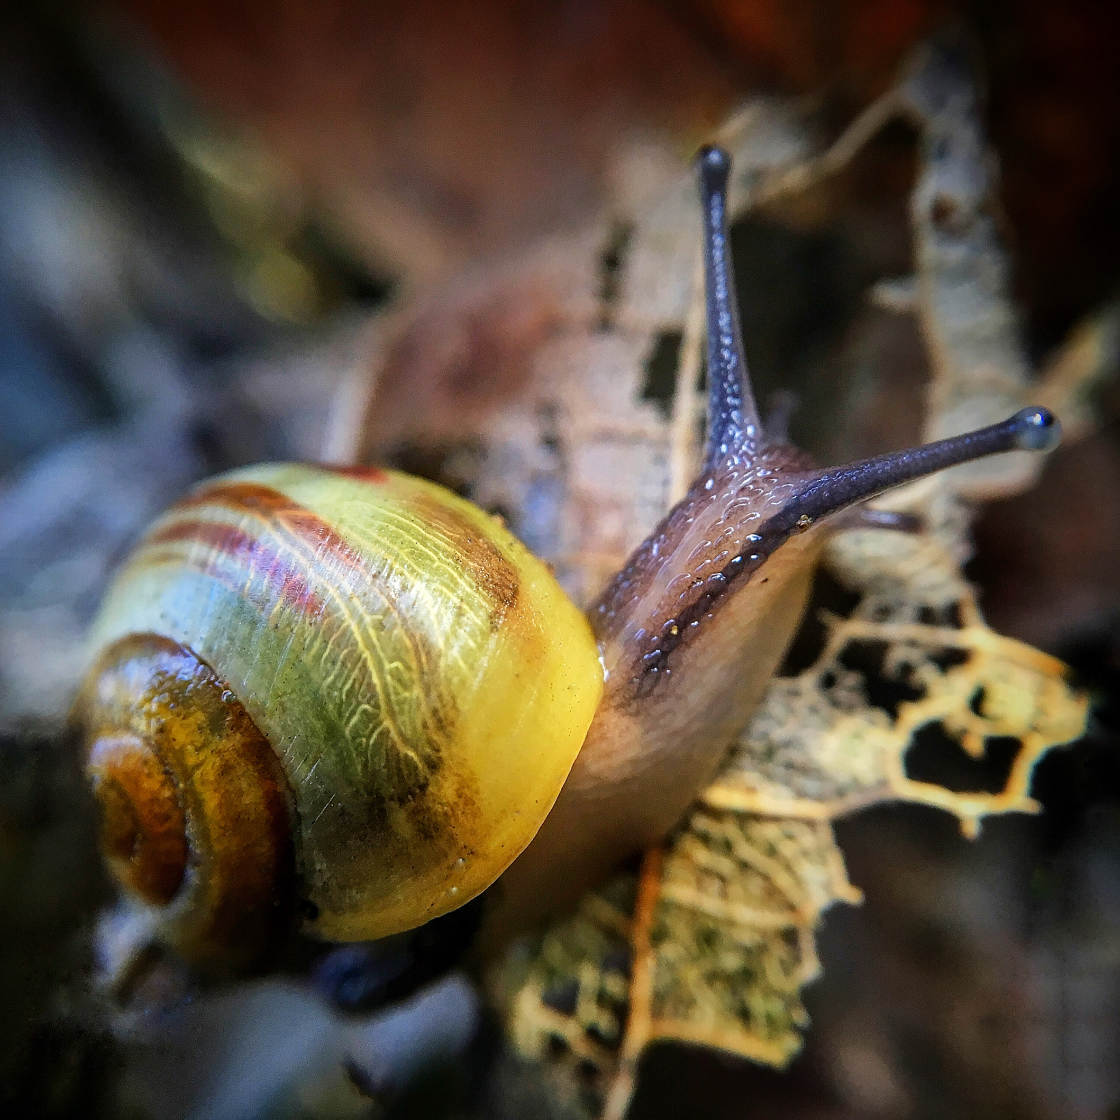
[421,680]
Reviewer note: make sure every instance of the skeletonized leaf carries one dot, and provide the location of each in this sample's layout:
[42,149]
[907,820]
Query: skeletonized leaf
[722,935]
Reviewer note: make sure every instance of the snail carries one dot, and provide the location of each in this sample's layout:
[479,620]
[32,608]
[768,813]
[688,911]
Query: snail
[350,701]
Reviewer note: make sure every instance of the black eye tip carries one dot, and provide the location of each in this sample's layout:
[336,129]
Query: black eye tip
[714,165]
[1036,429]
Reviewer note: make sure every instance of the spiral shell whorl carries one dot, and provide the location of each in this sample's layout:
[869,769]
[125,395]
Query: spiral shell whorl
[421,678]
[194,806]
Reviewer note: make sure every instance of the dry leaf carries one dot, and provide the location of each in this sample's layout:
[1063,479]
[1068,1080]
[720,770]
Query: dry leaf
[722,937]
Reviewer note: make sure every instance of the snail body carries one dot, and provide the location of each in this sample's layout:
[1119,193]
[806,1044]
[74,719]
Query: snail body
[351,696]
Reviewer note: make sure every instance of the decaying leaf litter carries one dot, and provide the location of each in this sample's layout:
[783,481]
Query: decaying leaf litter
[714,940]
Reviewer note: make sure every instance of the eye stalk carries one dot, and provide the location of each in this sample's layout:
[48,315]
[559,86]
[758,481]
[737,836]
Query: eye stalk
[753,517]
[735,435]
[1030,429]
[733,424]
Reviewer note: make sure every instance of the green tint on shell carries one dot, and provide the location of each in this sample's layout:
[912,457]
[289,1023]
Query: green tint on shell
[423,680]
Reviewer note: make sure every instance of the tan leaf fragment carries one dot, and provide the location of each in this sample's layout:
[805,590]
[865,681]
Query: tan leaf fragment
[723,933]
[727,938]
[817,748]
[744,884]
[567,996]
[732,931]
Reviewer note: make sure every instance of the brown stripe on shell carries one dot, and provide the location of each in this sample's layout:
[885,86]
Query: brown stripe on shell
[373,475]
[254,556]
[494,576]
[275,507]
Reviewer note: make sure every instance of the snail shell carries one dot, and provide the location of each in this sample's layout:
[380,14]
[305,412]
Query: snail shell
[351,690]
